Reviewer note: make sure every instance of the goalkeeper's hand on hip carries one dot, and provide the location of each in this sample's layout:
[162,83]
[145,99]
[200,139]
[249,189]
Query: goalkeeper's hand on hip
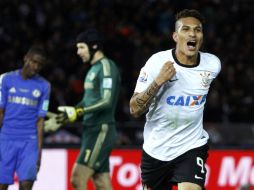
[69,113]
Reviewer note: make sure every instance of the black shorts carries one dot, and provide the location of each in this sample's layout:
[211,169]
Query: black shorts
[162,175]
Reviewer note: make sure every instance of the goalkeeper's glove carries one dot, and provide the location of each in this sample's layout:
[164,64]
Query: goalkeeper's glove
[51,123]
[69,113]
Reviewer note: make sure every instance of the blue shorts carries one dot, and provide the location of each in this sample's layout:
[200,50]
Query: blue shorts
[20,157]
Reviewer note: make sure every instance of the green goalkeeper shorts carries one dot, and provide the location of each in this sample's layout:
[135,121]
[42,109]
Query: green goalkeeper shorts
[97,144]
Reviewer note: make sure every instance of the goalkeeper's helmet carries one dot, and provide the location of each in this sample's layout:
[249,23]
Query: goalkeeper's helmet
[93,39]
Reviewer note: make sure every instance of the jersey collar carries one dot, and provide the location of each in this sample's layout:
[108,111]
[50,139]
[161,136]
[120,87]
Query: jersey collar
[183,65]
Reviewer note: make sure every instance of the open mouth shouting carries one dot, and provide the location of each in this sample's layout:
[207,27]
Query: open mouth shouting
[192,44]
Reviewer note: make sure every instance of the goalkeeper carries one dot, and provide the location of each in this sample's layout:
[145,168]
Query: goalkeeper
[101,89]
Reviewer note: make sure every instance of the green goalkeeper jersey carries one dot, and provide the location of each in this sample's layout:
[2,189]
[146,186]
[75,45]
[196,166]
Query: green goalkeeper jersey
[101,90]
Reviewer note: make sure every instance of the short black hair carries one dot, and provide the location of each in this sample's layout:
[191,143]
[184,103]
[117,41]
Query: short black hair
[190,13]
[38,51]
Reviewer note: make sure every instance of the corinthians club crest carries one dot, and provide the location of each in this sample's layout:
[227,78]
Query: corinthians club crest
[206,78]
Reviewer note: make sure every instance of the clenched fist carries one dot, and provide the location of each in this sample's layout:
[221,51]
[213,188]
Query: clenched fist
[166,73]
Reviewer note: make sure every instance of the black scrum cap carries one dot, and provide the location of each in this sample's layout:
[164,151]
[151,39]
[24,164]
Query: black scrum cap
[90,37]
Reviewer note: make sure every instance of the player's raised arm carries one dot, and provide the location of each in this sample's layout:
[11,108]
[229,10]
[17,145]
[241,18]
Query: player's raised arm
[140,102]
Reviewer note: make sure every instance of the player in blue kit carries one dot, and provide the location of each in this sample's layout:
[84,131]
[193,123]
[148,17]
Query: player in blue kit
[24,100]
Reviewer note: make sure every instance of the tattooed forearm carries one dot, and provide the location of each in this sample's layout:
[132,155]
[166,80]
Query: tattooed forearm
[144,99]
[140,102]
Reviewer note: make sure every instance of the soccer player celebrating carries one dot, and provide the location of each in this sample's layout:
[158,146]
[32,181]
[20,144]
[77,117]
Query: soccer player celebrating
[101,90]
[24,100]
[173,86]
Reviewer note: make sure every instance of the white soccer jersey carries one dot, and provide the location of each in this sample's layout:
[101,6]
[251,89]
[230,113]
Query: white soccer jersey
[174,122]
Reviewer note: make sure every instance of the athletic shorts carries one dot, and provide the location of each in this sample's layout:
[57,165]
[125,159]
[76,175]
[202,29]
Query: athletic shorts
[18,156]
[162,175]
[97,144]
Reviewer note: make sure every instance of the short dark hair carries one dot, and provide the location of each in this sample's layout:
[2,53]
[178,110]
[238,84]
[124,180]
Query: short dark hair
[190,13]
[38,51]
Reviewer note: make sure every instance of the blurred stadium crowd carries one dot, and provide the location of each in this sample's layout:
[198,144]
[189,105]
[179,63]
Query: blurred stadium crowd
[132,31]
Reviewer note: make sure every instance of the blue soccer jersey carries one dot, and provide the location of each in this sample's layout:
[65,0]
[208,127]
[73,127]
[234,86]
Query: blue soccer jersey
[23,101]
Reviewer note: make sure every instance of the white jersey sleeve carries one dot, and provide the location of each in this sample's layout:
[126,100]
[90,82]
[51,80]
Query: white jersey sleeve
[147,75]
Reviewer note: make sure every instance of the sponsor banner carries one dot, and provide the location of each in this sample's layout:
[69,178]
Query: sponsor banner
[124,167]
[230,169]
[226,170]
